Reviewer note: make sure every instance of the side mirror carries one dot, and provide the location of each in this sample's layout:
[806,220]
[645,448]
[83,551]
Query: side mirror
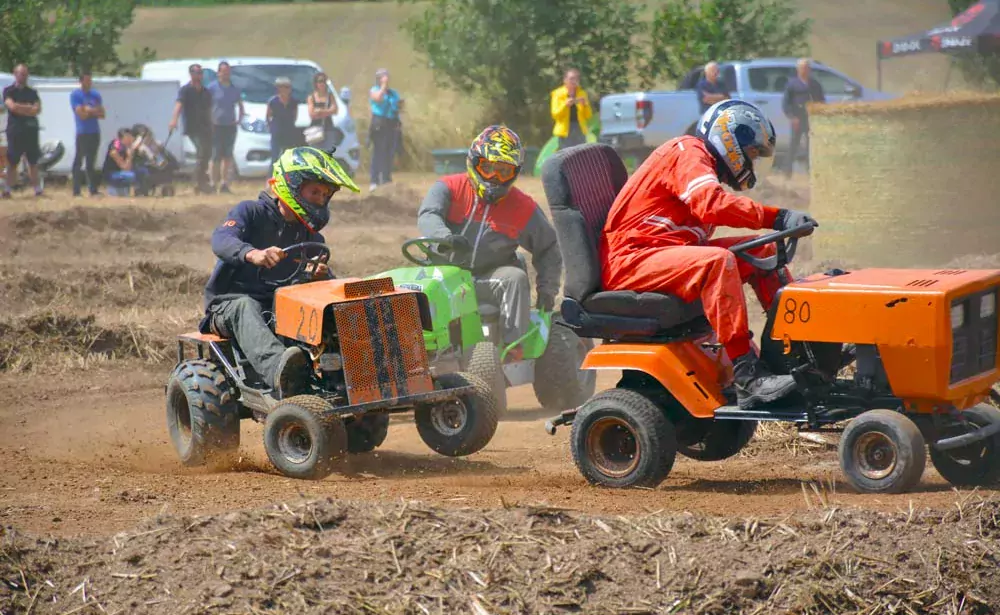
[853,90]
[345,95]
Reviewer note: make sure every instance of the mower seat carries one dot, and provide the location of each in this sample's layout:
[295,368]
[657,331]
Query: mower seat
[581,184]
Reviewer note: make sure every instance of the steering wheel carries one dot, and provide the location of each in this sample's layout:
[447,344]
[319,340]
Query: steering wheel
[431,247]
[785,241]
[321,255]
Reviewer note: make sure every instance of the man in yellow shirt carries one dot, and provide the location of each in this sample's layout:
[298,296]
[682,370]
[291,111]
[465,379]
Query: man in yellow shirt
[571,111]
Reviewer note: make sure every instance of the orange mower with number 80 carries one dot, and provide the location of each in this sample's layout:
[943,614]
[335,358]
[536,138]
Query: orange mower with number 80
[905,358]
[365,339]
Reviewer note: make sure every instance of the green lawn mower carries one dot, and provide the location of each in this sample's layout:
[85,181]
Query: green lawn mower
[467,335]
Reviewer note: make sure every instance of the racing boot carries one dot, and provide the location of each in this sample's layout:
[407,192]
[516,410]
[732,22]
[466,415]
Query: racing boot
[292,377]
[755,384]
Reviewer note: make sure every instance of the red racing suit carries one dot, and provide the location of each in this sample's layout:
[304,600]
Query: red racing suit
[658,238]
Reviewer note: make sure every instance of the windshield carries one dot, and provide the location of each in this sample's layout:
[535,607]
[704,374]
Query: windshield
[257,81]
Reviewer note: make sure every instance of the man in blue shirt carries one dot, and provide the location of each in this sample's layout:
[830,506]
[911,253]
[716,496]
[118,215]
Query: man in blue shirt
[88,108]
[709,89]
[384,130]
[226,98]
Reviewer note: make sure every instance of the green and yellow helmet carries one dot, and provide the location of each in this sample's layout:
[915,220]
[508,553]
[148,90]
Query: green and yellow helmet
[494,162]
[299,165]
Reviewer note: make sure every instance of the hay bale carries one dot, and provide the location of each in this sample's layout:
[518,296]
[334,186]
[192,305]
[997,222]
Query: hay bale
[906,183]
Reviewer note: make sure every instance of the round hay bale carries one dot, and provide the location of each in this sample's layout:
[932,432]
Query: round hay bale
[910,182]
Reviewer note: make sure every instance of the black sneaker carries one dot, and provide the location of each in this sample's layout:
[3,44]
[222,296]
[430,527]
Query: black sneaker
[293,373]
[755,384]
[224,189]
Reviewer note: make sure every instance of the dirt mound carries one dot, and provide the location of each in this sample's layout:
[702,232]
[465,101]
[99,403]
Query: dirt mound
[142,283]
[46,337]
[333,556]
[123,218]
[391,203]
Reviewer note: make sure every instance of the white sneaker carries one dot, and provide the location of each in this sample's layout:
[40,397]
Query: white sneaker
[372,187]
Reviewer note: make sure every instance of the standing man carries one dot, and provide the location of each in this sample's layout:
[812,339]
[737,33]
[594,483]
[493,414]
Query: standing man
[88,107]
[196,103]
[801,90]
[23,105]
[226,98]
[709,89]
[571,111]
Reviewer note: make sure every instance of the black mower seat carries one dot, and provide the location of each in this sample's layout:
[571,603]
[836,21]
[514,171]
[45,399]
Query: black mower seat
[668,311]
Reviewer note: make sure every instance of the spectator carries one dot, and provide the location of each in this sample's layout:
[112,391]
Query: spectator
[800,90]
[710,90]
[23,104]
[88,107]
[384,131]
[571,111]
[3,144]
[121,170]
[226,98]
[196,103]
[282,112]
[322,106]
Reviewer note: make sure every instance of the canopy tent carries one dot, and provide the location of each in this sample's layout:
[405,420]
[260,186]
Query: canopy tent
[977,29]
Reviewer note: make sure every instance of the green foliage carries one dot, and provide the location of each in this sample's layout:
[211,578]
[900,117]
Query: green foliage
[57,38]
[979,69]
[684,35]
[513,53]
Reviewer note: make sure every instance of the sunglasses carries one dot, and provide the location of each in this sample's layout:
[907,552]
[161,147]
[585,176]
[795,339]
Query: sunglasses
[500,171]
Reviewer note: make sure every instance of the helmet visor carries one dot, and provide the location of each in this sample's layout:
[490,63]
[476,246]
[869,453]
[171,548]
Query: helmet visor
[495,171]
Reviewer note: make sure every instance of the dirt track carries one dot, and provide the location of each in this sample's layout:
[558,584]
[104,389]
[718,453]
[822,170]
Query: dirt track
[83,443]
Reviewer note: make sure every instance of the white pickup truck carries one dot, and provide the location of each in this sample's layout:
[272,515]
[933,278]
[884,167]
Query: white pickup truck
[636,123]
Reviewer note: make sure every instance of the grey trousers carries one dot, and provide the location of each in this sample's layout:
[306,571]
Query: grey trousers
[242,319]
[509,289]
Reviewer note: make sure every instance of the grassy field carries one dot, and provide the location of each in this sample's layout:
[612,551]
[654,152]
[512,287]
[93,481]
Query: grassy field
[352,39]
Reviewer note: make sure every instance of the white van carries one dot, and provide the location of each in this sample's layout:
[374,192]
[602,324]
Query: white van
[255,76]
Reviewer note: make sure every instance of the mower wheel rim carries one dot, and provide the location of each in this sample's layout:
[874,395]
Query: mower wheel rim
[612,446]
[876,455]
[449,419]
[294,442]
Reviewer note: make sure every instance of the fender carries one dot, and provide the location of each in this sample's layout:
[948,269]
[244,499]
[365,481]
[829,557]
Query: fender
[688,372]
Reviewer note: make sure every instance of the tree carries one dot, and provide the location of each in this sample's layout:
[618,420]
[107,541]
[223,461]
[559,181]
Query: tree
[512,53]
[63,37]
[684,36]
[979,69]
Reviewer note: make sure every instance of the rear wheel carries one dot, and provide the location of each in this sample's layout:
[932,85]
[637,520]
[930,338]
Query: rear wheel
[460,426]
[202,417]
[484,362]
[559,383]
[621,438]
[367,433]
[882,451]
[711,440]
[302,440]
[975,464]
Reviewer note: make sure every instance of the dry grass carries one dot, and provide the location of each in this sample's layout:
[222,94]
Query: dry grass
[352,39]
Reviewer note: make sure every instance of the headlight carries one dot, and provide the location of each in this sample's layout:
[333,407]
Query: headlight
[957,316]
[987,305]
[252,124]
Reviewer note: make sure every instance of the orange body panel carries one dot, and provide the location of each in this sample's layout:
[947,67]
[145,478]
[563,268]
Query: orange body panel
[198,337]
[695,376]
[906,314]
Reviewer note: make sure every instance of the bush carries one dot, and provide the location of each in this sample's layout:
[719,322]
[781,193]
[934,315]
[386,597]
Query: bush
[980,70]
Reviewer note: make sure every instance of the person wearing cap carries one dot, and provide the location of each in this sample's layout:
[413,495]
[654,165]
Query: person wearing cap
[384,131]
[282,113]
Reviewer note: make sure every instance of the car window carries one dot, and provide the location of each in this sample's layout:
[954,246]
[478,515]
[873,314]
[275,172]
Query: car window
[832,84]
[257,81]
[728,74]
[770,78]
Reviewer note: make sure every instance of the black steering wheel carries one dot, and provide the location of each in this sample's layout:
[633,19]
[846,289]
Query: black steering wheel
[320,254]
[431,247]
[785,241]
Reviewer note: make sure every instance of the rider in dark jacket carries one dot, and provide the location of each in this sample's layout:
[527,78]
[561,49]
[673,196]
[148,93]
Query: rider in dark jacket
[253,236]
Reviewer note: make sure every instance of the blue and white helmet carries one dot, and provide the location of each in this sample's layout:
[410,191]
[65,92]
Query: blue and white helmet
[737,133]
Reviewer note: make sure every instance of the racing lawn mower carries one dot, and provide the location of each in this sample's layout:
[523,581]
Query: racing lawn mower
[922,346]
[365,338]
[466,335]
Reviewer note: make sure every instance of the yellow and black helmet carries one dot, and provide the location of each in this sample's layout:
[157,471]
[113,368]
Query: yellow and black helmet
[494,162]
[303,164]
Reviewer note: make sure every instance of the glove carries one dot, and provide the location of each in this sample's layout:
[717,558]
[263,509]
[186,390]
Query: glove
[545,303]
[790,218]
[459,243]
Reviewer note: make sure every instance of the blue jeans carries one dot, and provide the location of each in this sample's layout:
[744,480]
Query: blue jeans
[385,140]
[127,179]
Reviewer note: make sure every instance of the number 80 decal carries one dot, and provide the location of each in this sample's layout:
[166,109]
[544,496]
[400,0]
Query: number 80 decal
[795,312]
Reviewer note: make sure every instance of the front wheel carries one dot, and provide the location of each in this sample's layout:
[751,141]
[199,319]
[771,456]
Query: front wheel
[302,439]
[621,439]
[882,451]
[461,426]
[559,383]
[366,433]
[976,464]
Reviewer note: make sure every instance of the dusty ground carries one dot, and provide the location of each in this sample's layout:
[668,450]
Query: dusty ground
[92,293]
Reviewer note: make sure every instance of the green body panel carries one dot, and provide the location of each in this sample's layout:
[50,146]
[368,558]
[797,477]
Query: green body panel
[452,295]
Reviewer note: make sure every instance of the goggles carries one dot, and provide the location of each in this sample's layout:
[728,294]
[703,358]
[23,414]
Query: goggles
[500,171]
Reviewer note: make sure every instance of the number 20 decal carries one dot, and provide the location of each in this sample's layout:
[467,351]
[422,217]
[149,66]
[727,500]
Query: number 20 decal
[795,312]
[310,324]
